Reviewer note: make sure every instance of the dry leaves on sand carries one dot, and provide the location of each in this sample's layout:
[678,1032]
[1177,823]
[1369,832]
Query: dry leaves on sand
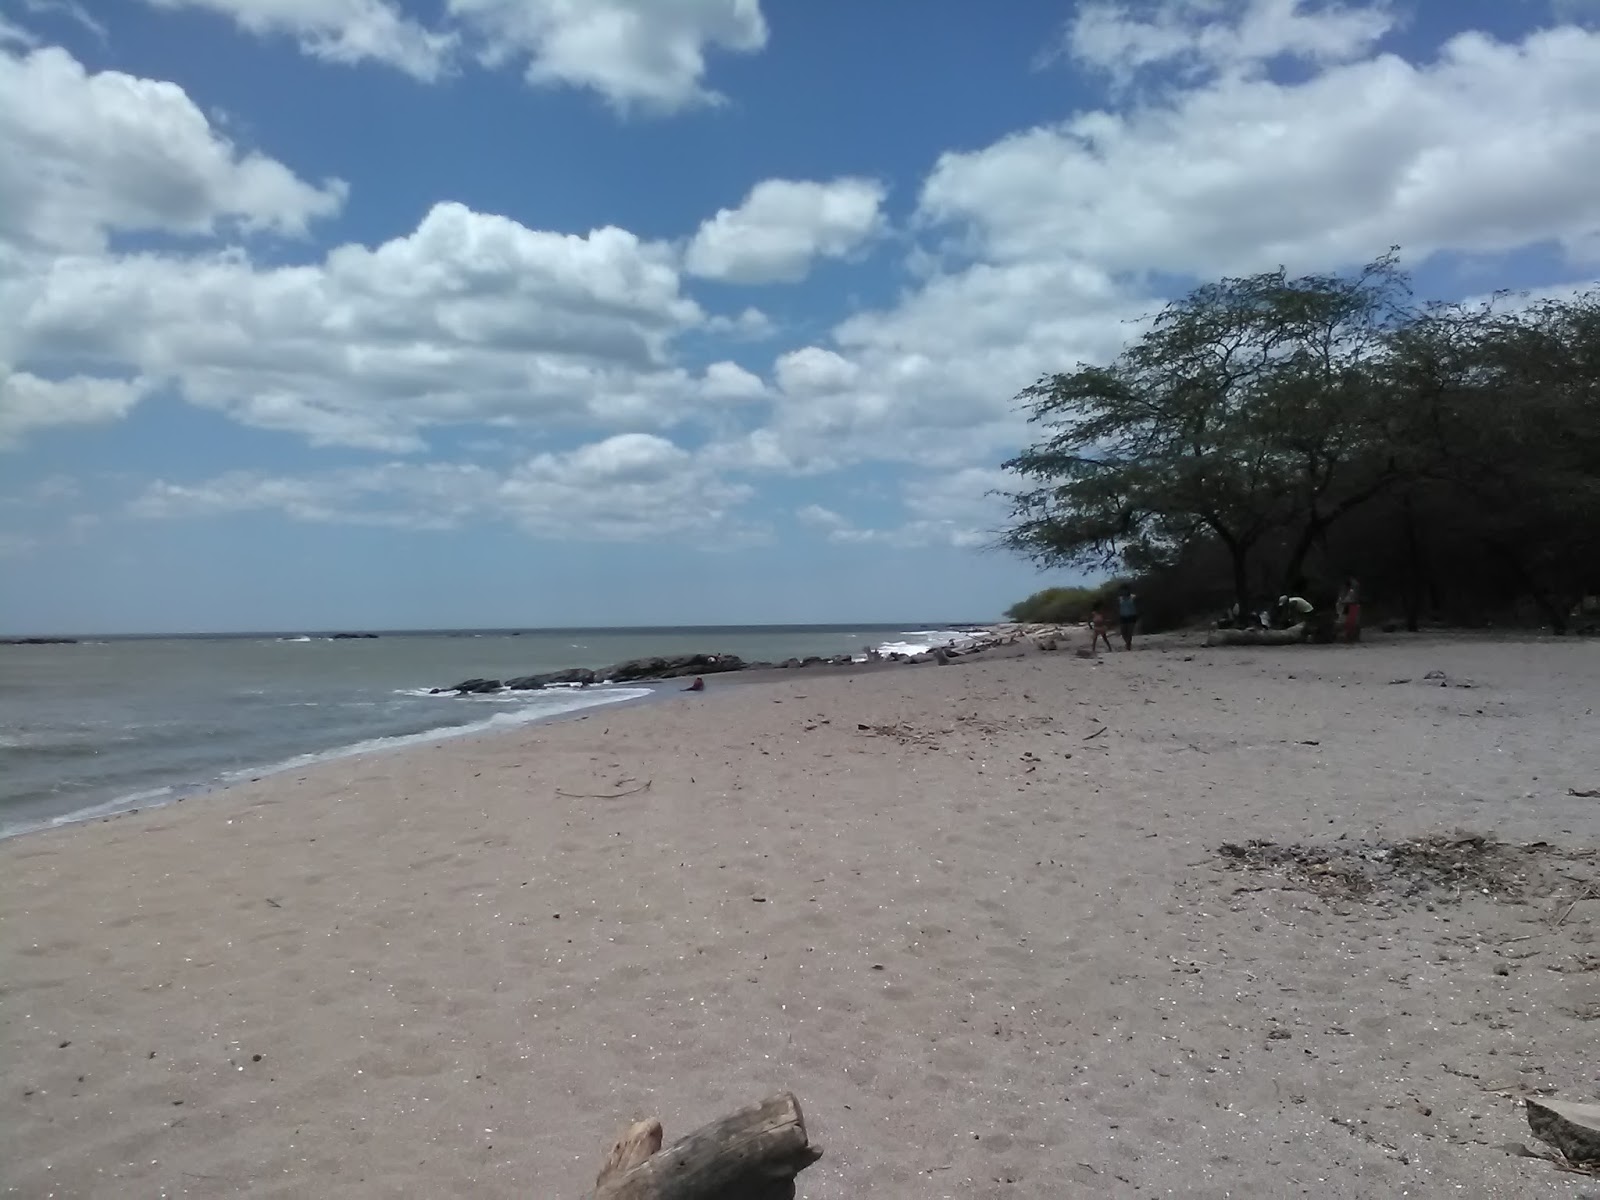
[1429,868]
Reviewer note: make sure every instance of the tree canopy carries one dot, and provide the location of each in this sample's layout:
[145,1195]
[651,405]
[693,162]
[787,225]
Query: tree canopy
[1268,428]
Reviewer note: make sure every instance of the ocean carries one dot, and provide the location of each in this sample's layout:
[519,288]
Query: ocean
[99,727]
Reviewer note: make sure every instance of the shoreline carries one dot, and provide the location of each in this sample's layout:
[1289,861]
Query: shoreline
[132,803]
[157,796]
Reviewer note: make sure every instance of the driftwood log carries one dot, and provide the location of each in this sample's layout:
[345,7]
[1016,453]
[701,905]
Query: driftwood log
[754,1154]
[1256,637]
[1573,1129]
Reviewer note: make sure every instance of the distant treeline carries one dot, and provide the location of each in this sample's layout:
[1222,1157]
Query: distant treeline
[1271,434]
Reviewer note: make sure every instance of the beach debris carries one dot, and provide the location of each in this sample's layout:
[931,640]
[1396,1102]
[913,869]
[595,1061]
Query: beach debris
[1439,868]
[1097,733]
[1589,893]
[633,791]
[755,1152]
[1584,793]
[1573,1129]
[1256,637]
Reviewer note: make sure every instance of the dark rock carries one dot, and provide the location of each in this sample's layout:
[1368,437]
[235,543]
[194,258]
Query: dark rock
[790,663]
[840,660]
[474,687]
[343,637]
[38,641]
[671,668]
[527,683]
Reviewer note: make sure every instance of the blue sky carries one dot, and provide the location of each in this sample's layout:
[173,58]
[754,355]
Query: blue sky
[540,312]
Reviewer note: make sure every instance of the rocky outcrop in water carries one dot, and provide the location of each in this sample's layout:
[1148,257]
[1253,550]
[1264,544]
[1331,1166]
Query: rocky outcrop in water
[671,668]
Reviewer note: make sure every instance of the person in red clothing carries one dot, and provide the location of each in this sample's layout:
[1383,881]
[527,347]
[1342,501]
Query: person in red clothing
[1350,607]
[699,685]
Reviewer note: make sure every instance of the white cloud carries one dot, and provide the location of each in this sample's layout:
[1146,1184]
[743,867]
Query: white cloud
[469,319]
[72,11]
[630,487]
[949,509]
[932,380]
[644,54]
[782,227]
[84,155]
[1484,149]
[14,35]
[1198,37]
[28,402]
[647,54]
[819,517]
[340,31]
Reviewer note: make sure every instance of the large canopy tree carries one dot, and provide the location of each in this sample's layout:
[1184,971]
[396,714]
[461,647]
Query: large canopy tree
[1266,420]
[1248,411]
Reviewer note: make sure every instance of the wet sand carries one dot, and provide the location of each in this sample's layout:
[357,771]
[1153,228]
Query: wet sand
[993,949]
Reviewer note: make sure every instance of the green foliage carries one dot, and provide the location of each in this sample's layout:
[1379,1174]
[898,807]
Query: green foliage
[1264,416]
[1057,606]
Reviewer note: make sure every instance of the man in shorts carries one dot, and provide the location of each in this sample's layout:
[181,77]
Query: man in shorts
[1127,614]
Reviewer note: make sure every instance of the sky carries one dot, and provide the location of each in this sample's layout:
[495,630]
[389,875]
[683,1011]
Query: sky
[453,313]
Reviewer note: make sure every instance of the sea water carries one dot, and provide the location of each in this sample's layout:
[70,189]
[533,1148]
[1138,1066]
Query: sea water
[98,727]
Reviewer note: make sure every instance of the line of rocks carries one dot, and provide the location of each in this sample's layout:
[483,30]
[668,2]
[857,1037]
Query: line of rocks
[638,670]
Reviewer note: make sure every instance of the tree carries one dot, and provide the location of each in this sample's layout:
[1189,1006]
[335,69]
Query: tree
[1249,412]
[1499,411]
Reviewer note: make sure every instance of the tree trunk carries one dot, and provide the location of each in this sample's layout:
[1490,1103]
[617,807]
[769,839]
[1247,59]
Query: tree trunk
[1241,576]
[1316,528]
[752,1155]
[1554,614]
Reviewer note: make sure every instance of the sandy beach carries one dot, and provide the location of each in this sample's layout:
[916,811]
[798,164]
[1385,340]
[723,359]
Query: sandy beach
[977,918]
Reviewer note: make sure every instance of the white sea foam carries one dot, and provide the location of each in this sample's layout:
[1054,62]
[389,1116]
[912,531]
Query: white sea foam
[147,798]
[569,702]
[504,720]
[920,641]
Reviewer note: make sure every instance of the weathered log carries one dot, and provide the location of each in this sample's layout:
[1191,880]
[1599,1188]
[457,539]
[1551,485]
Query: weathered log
[754,1154]
[1573,1129]
[1256,637]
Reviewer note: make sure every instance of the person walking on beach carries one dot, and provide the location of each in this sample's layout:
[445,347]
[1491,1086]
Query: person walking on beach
[1097,629]
[1127,614]
[1350,609]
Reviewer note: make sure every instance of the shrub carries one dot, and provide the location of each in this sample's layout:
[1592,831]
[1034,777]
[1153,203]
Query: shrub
[1057,606]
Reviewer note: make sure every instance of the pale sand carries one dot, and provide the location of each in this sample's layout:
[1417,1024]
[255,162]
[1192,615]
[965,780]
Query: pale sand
[983,976]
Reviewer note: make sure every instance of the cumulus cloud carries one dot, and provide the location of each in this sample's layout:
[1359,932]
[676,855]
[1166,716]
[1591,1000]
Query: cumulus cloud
[1478,150]
[1221,36]
[630,487]
[470,319]
[85,155]
[782,227]
[340,31]
[28,402]
[637,54]
[955,508]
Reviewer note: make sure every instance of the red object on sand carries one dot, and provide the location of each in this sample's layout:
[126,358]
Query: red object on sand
[699,685]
